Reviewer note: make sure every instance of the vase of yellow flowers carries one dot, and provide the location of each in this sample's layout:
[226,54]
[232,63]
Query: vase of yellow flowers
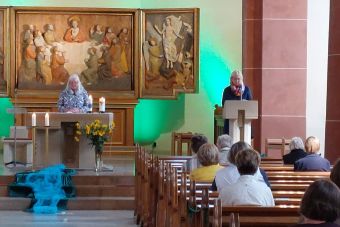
[97,133]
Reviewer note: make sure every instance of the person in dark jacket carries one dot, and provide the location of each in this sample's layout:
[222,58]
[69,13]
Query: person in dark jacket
[236,91]
[297,151]
[313,161]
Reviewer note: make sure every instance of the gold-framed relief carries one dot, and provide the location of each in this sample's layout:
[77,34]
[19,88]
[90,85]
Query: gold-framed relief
[50,44]
[170,52]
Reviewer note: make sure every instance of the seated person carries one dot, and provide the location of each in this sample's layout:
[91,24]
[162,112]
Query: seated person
[320,205]
[196,142]
[297,151]
[247,190]
[229,175]
[313,161]
[335,178]
[208,158]
[335,174]
[224,143]
[74,98]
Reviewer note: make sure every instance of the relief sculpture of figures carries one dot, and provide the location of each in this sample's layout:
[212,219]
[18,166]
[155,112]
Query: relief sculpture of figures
[170,33]
[27,71]
[153,57]
[59,73]
[39,39]
[98,46]
[168,54]
[49,35]
[109,35]
[96,34]
[44,74]
[74,33]
[89,75]
[124,41]
[104,70]
[28,34]
[115,53]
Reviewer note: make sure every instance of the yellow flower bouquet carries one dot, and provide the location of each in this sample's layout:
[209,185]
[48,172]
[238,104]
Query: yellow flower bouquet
[96,132]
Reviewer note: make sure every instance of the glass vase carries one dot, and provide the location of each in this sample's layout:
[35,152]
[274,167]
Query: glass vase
[98,159]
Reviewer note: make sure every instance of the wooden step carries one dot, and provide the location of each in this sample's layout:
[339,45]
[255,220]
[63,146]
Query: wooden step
[104,190]
[101,203]
[87,180]
[78,203]
[11,203]
[103,180]
[92,190]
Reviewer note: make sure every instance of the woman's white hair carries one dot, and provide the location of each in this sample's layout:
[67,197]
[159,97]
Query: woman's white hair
[74,77]
[237,73]
[296,143]
[224,141]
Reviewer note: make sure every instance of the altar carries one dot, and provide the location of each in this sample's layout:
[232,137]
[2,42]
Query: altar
[55,143]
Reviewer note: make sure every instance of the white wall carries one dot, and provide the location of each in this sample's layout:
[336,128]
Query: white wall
[317,61]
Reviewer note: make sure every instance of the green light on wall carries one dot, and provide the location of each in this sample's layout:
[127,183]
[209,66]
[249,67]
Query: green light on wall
[7,120]
[154,117]
[214,75]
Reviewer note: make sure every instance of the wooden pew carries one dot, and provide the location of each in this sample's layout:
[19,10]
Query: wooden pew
[253,215]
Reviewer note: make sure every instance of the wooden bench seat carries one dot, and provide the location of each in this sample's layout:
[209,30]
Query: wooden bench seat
[252,215]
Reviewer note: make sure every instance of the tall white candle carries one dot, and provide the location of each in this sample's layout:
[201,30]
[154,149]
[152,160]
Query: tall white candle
[102,104]
[34,120]
[90,103]
[47,119]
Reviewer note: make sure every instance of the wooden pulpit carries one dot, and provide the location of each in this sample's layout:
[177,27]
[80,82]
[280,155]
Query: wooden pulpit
[55,144]
[240,114]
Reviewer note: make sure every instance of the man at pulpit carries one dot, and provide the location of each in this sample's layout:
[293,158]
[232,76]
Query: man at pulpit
[74,98]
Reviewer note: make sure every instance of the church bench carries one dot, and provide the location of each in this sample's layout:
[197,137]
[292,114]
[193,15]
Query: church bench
[279,167]
[252,215]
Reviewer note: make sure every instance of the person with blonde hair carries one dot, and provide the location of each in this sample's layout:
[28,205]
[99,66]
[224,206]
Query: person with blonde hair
[313,161]
[235,91]
[208,157]
[297,151]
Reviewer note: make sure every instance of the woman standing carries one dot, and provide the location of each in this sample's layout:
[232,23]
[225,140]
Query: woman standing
[235,91]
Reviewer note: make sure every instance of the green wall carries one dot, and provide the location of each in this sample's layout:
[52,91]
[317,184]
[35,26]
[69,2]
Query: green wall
[220,53]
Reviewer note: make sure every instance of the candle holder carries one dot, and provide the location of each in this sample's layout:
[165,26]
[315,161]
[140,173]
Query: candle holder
[46,143]
[34,146]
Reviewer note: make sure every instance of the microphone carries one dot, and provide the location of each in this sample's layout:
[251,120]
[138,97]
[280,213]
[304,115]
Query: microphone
[241,93]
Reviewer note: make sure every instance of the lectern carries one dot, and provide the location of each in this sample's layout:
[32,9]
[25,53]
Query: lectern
[240,114]
[56,144]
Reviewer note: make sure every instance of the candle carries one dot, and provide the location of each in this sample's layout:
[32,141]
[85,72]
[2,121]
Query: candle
[34,120]
[90,102]
[47,120]
[102,105]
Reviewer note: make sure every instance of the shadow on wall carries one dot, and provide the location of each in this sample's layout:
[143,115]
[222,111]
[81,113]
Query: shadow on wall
[155,117]
[7,119]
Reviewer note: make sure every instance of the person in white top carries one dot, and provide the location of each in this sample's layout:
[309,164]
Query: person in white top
[229,175]
[247,190]
[224,143]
